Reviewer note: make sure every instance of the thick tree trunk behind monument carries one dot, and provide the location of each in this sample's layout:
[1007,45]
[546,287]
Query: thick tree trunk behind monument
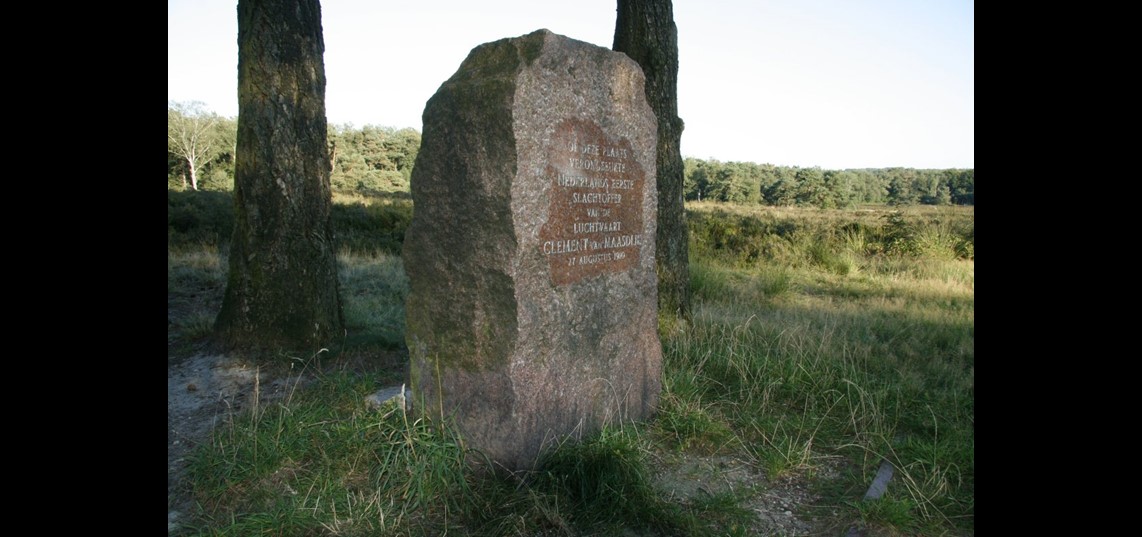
[646,32]
[282,291]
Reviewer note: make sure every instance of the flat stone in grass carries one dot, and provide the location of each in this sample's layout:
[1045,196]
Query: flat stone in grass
[532,313]
[396,395]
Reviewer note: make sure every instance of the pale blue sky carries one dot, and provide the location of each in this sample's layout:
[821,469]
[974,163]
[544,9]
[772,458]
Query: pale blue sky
[830,83]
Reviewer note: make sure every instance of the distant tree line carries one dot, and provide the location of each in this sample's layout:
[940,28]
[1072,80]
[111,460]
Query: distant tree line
[368,159]
[373,159]
[747,182]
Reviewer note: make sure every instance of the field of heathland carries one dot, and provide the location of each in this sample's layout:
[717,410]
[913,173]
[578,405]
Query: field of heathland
[823,343]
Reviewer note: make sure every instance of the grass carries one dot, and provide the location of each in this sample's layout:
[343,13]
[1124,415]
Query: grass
[823,333]
[370,234]
[821,343]
[323,462]
[196,280]
[373,290]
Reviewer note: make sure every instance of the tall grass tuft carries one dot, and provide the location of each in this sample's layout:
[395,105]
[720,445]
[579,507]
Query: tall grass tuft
[605,475]
[687,424]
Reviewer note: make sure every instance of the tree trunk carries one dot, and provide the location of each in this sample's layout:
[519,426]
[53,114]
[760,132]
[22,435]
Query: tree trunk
[193,176]
[282,293]
[646,32]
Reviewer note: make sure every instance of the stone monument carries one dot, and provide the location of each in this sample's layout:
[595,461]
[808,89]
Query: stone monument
[532,314]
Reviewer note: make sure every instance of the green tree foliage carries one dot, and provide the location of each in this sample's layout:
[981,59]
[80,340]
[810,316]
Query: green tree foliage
[902,187]
[783,190]
[747,182]
[811,189]
[218,174]
[840,187]
[367,160]
[961,186]
[695,184]
[200,145]
[869,186]
[744,182]
[372,159]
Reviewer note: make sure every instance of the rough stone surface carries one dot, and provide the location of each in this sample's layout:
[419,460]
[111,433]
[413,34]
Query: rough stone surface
[532,313]
[397,395]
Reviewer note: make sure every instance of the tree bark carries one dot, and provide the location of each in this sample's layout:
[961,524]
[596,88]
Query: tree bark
[193,175]
[282,293]
[646,32]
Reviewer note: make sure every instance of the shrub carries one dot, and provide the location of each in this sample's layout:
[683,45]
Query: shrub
[199,218]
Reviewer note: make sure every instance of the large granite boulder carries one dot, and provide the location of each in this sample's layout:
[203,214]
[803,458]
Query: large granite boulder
[532,314]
